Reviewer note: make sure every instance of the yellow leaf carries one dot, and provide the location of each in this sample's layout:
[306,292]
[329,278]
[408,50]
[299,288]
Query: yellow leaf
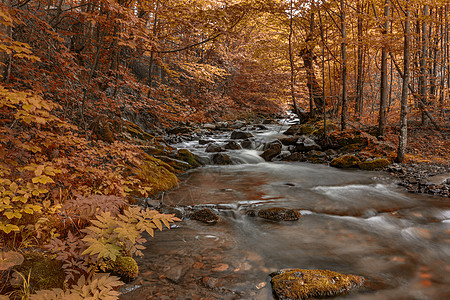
[39,169]
[44,179]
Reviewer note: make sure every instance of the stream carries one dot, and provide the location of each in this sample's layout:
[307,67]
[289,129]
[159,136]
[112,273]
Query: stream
[352,221]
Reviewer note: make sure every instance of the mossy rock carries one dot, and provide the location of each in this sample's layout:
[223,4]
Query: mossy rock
[189,157]
[304,284]
[46,273]
[351,148]
[205,215]
[375,164]
[155,174]
[345,161]
[124,266]
[279,214]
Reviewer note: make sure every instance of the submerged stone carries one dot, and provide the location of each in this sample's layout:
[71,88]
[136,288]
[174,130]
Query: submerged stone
[304,284]
[279,214]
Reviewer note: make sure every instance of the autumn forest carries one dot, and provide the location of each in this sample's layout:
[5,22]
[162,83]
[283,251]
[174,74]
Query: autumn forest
[93,92]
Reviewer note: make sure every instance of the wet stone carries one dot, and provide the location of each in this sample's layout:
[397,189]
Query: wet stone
[221,159]
[213,147]
[241,135]
[279,214]
[205,215]
[233,145]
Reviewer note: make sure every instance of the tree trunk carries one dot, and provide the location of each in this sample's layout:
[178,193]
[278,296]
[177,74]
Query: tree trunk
[344,69]
[403,137]
[383,77]
[5,58]
[423,78]
[360,58]
[150,66]
[314,89]
[291,61]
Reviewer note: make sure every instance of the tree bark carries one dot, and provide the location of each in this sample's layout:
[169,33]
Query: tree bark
[360,58]
[5,58]
[344,69]
[423,78]
[383,77]
[152,53]
[403,137]
[291,61]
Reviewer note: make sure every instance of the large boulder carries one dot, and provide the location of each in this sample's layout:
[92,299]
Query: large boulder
[189,157]
[240,135]
[304,284]
[248,144]
[345,161]
[279,214]
[374,164]
[272,150]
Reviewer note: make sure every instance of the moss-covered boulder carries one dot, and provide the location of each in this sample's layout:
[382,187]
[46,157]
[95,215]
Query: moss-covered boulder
[345,161]
[374,164]
[45,273]
[205,215]
[189,157]
[304,284]
[279,214]
[155,174]
[124,266]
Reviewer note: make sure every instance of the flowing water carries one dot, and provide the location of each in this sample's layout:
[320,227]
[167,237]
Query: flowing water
[352,221]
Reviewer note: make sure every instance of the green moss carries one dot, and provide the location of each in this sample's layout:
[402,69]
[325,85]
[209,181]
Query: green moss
[124,266]
[303,284]
[346,161]
[375,164]
[279,214]
[156,174]
[46,273]
[189,157]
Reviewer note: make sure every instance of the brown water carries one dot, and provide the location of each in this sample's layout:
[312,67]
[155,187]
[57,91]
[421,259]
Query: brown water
[352,222]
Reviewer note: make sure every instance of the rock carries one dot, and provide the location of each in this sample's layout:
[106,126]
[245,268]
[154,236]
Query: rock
[209,126]
[221,159]
[213,147]
[289,140]
[179,130]
[45,272]
[305,144]
[189,157]
[375,164]
[204,142]
[303,284]
[294,157]
[279,214]
[270,121]
[124,266]
[346,161]
[174,274]
[241,135]
[205,215]
[273,149]
[248,144]
[316,157]
[233,145]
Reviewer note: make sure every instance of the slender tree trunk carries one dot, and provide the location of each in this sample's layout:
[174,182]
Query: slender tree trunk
[383,77]
[344,68]
[291,61]
[423,78]
[150,66]
[5,58]
[360,58]
[403,137]
[324,108]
